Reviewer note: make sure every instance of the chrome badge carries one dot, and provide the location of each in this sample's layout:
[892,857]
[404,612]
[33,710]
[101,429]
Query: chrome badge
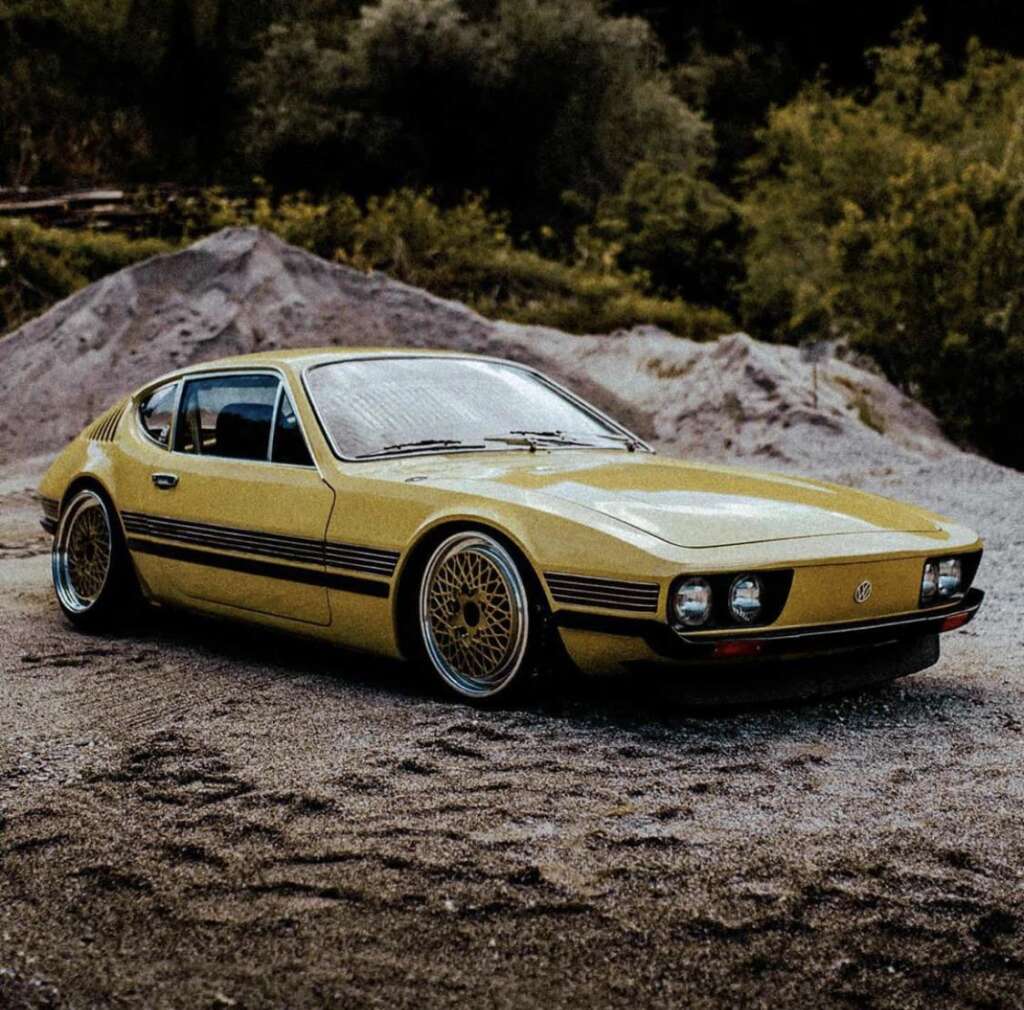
[862,592]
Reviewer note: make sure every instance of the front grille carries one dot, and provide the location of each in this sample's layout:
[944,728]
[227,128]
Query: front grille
[613,594]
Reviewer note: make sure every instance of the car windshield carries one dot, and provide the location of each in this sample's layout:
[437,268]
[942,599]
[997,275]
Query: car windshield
[392,406]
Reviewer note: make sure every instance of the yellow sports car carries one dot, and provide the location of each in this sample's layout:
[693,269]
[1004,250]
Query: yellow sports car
[471,514]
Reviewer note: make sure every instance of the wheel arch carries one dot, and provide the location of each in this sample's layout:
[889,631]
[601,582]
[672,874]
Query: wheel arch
[88,480]
[415,559]
[91,480]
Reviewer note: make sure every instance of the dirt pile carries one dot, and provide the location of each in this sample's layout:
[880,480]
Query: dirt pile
[244,290]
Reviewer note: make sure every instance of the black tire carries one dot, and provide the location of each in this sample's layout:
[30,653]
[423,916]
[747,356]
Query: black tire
[479,619]
[93,577]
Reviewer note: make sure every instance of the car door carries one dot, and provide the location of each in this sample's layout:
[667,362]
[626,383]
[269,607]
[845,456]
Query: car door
[236,512]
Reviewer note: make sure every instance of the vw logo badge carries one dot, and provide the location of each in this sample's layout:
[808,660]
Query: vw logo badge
[862,592]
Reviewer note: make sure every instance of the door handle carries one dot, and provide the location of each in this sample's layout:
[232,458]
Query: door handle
[165,481]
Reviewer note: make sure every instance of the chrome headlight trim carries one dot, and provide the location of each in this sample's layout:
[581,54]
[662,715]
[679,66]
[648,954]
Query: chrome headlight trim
[692,602]
[746,598]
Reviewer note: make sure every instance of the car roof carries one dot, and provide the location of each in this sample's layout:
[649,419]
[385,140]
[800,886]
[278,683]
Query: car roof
[300,358]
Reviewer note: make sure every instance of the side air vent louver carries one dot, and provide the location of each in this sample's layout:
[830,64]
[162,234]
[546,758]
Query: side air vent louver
[587,591]
[105,427]
[365,559]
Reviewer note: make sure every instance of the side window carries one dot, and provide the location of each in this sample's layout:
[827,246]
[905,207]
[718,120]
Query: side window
[289,445]
[156,413]
[228,416]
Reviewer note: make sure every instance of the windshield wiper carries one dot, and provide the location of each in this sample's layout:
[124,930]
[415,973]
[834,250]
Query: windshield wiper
[537,439]
[631,443]
[556,437]
[423,443]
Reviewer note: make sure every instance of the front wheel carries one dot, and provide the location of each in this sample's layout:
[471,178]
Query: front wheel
[92,573]
[475,618]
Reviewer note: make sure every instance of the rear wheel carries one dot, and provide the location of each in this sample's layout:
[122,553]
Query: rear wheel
[475,618]
[92,573]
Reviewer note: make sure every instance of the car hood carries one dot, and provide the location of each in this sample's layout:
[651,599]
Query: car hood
[686,504]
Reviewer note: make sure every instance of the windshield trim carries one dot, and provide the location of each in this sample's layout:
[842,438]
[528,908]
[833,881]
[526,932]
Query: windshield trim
[587,408]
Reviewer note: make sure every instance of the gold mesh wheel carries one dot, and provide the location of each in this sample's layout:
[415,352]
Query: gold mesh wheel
[474,614]
[82,552]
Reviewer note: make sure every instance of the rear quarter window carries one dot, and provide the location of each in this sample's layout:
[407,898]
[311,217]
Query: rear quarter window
[156,413]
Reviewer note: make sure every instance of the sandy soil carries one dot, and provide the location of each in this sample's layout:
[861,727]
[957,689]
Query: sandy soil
[193,816]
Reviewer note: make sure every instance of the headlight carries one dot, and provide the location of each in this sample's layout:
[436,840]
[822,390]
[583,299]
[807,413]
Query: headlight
[942,578]
[745,598]
[692,602]
[950,576]
[929,581]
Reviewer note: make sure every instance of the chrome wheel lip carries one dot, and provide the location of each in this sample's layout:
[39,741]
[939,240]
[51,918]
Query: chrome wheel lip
[84,505]
[492,553]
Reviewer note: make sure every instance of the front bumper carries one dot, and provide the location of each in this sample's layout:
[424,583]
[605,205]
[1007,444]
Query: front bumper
[768,643]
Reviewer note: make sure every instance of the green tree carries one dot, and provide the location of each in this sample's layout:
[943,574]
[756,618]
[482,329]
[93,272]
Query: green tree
[527,99]
[677,231]
[896,221]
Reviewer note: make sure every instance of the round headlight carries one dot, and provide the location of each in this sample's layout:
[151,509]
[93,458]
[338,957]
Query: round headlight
[745,598]
[692,602]
[929,581]
[950,576]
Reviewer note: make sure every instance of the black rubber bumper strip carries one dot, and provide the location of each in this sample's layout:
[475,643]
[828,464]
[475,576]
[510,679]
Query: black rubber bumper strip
[268,569]
[666,642]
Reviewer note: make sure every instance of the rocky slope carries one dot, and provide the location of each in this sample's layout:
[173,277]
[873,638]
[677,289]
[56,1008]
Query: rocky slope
[244,290]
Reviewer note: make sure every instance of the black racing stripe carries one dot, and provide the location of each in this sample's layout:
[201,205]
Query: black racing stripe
[216,529]
[372,560]
[268,569]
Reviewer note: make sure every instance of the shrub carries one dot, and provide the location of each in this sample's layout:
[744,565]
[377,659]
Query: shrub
[681,233]
[897,222]
[40,266]
[462,252]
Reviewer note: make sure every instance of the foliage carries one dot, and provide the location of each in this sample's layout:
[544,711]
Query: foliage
[680,234]
[526,98]
[40,266]
[462,252]
[898,223]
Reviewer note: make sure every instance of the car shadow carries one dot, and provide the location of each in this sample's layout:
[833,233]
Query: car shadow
[643,703]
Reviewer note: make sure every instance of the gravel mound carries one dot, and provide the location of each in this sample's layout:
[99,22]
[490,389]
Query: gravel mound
[245,290]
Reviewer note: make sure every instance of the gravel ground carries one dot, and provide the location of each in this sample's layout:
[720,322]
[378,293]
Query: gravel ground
[194,816]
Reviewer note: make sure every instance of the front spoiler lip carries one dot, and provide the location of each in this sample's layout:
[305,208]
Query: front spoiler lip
[668,643]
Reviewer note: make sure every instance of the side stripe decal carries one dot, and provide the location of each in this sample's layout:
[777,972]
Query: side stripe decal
[302,550]
[268,569]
